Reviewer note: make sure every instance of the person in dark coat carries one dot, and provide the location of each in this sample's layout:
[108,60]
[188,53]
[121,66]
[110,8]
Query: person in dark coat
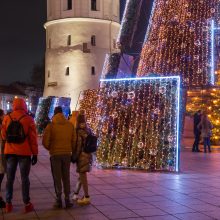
[196,130]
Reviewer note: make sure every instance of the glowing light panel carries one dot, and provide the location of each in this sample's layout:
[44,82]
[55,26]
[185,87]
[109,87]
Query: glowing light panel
[138,122]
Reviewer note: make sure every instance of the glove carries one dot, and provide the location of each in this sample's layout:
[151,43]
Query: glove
[34,160]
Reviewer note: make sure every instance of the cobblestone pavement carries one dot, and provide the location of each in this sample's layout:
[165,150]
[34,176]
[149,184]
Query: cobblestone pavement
[192,194]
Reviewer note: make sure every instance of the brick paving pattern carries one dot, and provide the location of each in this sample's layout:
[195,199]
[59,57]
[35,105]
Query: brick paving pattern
[193,194]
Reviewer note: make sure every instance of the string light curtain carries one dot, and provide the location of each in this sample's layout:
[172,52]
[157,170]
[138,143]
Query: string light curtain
[137,122]
[178,41]
[88,103]
[129,23]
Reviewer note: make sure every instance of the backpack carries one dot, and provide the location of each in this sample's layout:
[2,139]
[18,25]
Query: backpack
[15,131]
[91,144]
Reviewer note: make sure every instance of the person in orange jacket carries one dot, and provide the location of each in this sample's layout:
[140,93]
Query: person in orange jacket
[23,152]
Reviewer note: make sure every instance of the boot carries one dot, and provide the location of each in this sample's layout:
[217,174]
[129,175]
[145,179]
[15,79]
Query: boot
[68,203]
[58,203]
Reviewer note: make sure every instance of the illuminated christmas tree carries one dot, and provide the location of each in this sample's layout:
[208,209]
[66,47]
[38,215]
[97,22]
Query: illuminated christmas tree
[45,110]
[178,41]
[208,100]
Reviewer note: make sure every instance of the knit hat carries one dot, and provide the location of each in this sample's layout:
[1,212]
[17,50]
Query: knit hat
[57,110]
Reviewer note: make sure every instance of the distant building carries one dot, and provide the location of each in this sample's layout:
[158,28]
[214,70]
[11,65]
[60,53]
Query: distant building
[7,94]
[30,93]
[78,36]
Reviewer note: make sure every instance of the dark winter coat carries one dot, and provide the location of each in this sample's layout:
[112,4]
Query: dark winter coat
[84,161]
[197,119]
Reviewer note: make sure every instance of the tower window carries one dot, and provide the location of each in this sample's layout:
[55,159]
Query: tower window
[48,73]
[85,48]
[95,5]
[49,44]
[69,5]
[93,70]
[93,40]
[69,40]
[67,71]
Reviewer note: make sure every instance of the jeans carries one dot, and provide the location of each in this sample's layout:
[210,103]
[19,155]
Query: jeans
[60,166]
[25,166]
[207,143]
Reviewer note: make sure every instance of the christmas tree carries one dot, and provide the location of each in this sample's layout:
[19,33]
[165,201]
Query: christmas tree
[45,110]
[208,100]
[41,117]
[178,41]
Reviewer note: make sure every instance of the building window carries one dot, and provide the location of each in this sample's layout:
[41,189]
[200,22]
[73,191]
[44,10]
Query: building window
[93,42]
[94,5]
[85,48]
[52,84]
[69,5]
[49,44]
[67,71]
[69,40]
[93,70]
[48,73]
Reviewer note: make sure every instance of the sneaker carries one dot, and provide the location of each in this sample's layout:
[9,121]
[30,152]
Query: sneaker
[28,208]
[8,207]
[75,197]
[84,201]
[2,203]
[68,203]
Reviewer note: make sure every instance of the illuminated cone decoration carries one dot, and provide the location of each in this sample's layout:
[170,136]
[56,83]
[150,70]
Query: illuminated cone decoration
[178,41]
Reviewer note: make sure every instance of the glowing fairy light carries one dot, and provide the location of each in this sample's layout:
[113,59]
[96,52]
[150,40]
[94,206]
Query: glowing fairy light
[137,121]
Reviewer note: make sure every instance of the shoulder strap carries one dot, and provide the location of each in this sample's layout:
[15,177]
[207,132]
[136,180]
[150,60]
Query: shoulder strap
[10,116]
[22,117]
[18,119]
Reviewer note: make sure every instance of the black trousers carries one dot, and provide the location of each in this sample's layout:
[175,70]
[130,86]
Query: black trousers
[196,143]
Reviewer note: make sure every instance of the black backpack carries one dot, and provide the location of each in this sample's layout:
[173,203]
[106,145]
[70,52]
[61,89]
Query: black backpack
[91,144]
[15,131]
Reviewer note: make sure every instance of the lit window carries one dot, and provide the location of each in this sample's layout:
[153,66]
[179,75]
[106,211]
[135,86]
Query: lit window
[67,71]
[93,40]
[69,40]
[93,70]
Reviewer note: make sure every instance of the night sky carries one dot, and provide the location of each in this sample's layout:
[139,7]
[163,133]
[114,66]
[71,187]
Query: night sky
[22,37]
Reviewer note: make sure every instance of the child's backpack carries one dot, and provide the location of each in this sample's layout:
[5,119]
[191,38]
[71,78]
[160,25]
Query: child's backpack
[91,144]
[15,131]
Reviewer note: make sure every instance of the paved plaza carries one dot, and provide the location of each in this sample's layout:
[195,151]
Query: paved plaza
[192,194]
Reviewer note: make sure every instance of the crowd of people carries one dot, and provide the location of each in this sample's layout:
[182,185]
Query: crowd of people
[64,139]
[202,128]
[66,142]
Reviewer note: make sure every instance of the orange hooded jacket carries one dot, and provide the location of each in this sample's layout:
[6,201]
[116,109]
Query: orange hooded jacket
[29,146]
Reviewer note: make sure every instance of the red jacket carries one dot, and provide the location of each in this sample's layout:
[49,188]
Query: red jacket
[29,146]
